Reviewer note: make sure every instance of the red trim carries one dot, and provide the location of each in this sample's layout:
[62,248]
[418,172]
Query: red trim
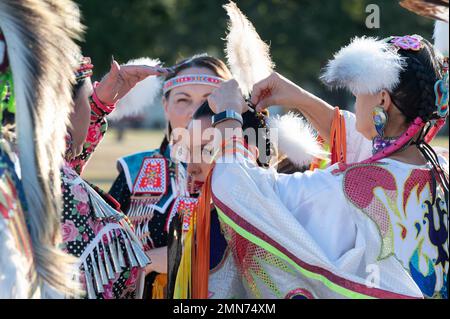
[345,283]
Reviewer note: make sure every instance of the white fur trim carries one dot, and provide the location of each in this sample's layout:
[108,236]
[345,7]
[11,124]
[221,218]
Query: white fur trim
[365,66]
[294,137]
[141,96]
[441,37]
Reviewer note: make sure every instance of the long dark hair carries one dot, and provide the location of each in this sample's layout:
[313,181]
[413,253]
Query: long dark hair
[217,66]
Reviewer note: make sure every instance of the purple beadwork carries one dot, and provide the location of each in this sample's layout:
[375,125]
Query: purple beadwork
[407,42]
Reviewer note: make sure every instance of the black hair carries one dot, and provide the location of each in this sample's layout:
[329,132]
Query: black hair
[217,66]
[251,120]
[415,96]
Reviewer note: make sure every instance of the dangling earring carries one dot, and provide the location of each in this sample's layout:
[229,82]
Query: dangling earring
[380,119]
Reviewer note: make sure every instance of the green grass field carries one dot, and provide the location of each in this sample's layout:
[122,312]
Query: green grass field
[101,169]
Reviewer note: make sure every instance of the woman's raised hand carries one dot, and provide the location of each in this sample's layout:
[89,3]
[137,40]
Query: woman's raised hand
[227,96]
[276,90]
[121,79]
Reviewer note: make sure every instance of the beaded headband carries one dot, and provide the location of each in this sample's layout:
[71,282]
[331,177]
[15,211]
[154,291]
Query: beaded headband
[190,79]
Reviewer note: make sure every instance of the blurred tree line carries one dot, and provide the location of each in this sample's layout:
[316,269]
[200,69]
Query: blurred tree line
[303,34]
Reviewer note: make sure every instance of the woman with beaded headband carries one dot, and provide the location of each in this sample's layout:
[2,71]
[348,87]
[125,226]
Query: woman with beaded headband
[386,234]
[110,256]
[249,59]
[36,75]
[151,186]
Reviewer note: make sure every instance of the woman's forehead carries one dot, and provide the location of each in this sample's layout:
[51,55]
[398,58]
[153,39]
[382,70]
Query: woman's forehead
[193,90]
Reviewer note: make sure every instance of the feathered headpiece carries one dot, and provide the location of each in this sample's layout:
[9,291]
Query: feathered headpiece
[249,60]
[42,56]
[365,66]
[143,95]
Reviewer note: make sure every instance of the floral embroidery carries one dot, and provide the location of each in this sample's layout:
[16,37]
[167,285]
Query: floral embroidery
[69,231]
[80,226]
[83,208]
[79,193]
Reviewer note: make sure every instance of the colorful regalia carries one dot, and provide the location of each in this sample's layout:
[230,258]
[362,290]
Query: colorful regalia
[16,255]
[110,256]
[386,235]
[146,187]
[36,74]
[152,189]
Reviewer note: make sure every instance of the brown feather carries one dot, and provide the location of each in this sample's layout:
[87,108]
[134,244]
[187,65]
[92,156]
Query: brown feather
[435,9]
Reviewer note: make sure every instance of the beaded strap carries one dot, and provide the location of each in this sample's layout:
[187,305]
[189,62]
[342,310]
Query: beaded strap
[413,129]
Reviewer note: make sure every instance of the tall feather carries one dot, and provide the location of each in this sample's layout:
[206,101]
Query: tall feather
[40,39]
[248,56]
[140,97]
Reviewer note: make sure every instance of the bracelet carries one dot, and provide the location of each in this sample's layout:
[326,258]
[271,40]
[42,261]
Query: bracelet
[226,115]
[105,109]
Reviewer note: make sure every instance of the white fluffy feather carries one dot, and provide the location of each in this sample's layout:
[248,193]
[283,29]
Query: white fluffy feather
[294,138]
[141,96]
[248,56]
[441,37]
[365,66]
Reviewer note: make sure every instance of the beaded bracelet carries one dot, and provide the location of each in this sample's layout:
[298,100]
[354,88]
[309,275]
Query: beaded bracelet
[100,106]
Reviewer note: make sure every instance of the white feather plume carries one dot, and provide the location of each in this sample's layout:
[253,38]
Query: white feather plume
[248,56]
[441,37]
[141,96]
[365,66]
[294,138]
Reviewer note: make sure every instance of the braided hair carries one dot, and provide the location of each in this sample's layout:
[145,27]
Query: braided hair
[415,97]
